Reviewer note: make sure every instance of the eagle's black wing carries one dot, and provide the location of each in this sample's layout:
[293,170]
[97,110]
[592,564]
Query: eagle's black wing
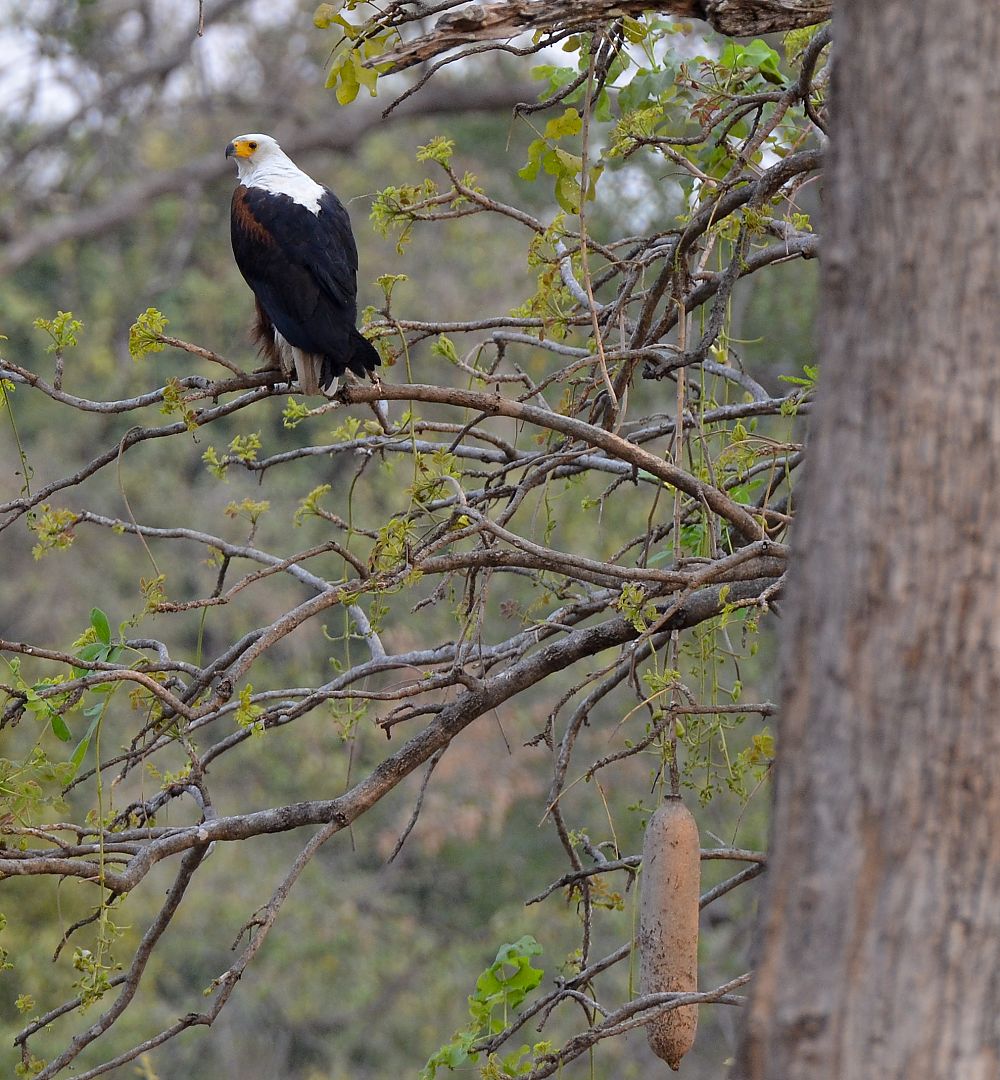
[302,267]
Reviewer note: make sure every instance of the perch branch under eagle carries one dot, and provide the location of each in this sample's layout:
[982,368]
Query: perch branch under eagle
[293,243]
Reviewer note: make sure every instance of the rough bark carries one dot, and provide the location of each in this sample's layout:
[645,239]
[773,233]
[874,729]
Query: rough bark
[480,23]
[881,933]
[741,18]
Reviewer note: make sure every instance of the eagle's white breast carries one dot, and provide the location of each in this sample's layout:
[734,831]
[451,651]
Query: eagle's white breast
[285,179]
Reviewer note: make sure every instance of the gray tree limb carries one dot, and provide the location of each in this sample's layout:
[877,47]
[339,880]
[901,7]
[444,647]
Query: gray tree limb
[481,23]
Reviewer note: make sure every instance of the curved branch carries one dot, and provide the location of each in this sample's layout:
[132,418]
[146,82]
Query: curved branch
[480,23]
[495,405]
[487,694]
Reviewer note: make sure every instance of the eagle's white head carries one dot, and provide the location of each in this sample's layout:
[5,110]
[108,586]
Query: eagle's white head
[256,152]
[261,163]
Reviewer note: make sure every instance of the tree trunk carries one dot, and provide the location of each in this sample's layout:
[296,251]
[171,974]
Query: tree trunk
[880,938]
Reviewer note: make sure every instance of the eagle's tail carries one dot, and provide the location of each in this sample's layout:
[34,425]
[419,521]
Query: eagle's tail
[361,358]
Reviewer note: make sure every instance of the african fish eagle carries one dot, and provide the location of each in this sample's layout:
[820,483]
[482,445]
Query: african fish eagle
[293,243]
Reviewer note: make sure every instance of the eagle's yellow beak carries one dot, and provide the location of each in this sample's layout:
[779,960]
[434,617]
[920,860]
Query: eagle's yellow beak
[241,148]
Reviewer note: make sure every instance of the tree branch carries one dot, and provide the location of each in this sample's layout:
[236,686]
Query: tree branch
[479,23]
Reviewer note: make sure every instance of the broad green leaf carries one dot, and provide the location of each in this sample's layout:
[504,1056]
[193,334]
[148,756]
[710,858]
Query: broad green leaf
[59,728]
[365,76]
[99,621]
[568,194]
[348,88]
[569,123]
[325,15]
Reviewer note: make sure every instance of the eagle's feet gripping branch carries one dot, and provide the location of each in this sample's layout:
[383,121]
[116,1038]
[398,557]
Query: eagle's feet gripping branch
[294,246]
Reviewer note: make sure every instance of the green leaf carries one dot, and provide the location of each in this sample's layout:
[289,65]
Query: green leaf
[523,947]
[535,151]
[62,329]
[325,14]
[445,347]
[348,88]
[569,164]
[334,18]
[145,333]
[809,382]
[99,621]
[568,194]
[757,55]
[59,728]
[497,993]
[76,760]
[93,651]
[635,29]
[294,413]
[365,76]
[569,123]
[557,77]
[439,149]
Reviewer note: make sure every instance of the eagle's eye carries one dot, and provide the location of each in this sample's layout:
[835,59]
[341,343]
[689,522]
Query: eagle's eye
[253,146]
